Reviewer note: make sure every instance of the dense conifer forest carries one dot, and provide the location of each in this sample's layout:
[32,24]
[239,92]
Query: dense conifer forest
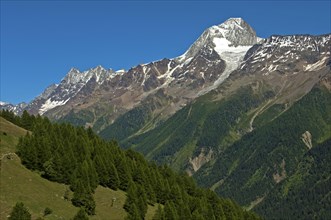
[78,157]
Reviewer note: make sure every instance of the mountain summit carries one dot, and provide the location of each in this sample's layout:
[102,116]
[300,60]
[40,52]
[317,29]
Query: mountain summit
[205,65]
[238,32]
[232,33]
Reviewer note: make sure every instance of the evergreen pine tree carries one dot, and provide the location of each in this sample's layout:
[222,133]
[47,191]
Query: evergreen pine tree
[113,181]
[83,198]
[20,212]
[131,198]
[150,194]
[26,120]
[101,170]
[81,215]
[170,211]
[141,201]
[123,173]
[134,214]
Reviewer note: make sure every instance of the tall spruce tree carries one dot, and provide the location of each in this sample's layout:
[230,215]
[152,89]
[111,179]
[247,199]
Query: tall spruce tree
[141,201]
[131,198]
[113,181]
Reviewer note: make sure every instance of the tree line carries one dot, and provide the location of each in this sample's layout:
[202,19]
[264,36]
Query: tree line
[78,157]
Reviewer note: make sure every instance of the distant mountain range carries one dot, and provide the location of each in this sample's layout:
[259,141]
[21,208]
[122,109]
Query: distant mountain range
[240,113]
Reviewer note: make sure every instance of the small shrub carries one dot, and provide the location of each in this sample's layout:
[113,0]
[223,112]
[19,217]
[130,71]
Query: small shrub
[47,211]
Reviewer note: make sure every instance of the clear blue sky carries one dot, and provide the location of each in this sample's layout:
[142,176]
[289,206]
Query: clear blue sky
[42,40]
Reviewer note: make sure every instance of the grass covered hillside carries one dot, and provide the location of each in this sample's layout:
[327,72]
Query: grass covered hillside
[96,172]
[20,184]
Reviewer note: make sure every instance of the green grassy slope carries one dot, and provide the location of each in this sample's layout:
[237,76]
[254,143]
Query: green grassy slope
[9,134]
[21,184]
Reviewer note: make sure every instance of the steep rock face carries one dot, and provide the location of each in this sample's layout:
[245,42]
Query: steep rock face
[197,162]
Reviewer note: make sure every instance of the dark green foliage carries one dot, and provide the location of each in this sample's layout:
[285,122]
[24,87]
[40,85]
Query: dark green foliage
[113,181]
[75,156]
[201,124]
[26,120]
[20,212]
[84,199]
[126,124]
[47,211]
[79,118]
[306,194]
[134,213]
[136,199]
[170,211]
[131,199]
[219,123]
[81,215]
[249,166]
[134,120]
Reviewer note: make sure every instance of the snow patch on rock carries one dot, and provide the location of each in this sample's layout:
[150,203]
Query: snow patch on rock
[49,104]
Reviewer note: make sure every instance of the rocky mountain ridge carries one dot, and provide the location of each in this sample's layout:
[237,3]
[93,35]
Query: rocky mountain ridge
[206,64]
[97,97]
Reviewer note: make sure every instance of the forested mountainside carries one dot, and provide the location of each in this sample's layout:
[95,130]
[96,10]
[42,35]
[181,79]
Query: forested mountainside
[77,157]
[275,152]
[306,193]
[245,144]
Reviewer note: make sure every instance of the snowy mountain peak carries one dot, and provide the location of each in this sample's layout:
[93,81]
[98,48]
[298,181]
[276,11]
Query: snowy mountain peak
[99,68]
[3,103]
[73,70]
[238,32]
[233,32]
